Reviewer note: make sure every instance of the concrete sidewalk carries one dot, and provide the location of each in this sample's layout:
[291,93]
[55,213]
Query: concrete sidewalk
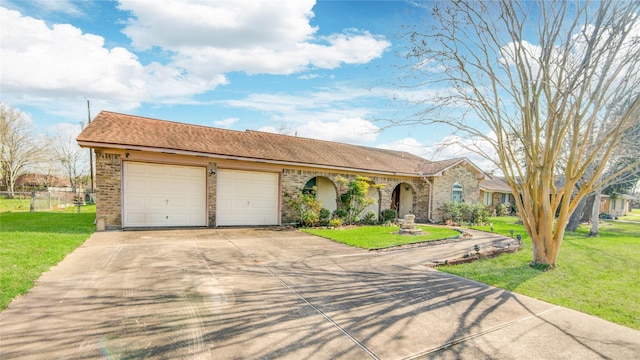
[262,294]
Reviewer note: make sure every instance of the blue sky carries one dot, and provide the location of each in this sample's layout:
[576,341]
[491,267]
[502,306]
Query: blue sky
[326,70]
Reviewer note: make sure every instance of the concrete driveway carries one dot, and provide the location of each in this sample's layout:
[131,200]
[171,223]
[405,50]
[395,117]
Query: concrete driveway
[264,294]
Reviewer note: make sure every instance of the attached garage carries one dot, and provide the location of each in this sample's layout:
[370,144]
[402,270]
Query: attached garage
[247,198]
[160,195]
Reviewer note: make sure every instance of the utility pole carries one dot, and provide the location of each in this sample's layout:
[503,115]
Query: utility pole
[90,149]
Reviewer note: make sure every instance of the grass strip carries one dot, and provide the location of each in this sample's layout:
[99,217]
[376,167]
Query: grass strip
[31,243]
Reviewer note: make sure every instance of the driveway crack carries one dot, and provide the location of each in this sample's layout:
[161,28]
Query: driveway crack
[325,316]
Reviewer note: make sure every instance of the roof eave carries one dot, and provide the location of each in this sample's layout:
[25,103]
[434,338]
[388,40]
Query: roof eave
[92,144]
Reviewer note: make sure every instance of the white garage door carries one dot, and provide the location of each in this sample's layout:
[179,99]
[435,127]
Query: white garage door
[246,198]
[156,195]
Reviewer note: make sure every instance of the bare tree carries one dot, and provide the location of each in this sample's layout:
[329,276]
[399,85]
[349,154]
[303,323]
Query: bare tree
[17,147]
[620,162]
[542,83]
[72,158]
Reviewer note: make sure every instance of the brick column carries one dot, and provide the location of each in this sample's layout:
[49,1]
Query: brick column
[108,191]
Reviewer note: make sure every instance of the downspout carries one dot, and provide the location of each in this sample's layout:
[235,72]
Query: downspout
[430,198]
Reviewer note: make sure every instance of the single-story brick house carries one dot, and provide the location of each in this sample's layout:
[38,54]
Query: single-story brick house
[495,191]
[155,173]
[615,207]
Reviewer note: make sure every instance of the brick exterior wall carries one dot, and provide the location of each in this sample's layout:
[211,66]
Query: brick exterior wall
[212,180]
[293,180]
[108,190]
[442,188]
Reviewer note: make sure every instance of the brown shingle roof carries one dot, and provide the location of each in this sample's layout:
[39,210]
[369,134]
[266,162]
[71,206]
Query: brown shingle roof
[494,185]
[110,129]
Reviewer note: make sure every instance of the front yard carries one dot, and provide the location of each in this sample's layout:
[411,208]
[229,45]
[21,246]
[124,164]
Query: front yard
[380,237]
[598,276]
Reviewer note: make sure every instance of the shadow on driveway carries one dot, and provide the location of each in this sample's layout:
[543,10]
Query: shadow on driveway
[212,294]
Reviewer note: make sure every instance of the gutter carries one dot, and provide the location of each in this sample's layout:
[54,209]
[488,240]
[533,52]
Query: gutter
[91,144]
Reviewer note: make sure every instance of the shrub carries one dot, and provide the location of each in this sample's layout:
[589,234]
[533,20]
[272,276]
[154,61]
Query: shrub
[388,215]
[502,210]
[325,215]
[340,214]
[454,212]
[479,213]
[306,207]
[335,222]
[369,218]
[354,196]
[451,211]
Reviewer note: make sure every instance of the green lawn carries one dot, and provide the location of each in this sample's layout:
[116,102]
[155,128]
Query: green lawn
[14,205]
[31,243]
[379,237]
[633,215]
[598,276]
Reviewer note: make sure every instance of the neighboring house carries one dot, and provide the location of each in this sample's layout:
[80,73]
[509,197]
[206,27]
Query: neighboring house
[154,173]
[495,191]
[32,181]
[615,207]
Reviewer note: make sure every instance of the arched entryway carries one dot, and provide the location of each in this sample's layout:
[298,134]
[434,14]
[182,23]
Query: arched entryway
[325,192]
[402,199]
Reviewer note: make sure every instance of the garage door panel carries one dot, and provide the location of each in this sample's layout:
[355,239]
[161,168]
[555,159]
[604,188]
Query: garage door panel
[247,198]
[163,195]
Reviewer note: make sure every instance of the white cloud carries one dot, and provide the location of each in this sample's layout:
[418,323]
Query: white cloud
[449,147]
[409,145]
[308,76]
[56,67]
[218,24]
[226,123]
[326,104]
[60,6]
[269,129]
[65,130]
[347,130]
[272,37]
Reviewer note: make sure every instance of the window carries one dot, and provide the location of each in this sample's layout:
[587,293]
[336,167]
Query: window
[487,198]
[505,199]
[310,187]
[456,192]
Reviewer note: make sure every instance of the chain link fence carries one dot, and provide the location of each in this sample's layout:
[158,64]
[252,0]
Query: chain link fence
[43,200]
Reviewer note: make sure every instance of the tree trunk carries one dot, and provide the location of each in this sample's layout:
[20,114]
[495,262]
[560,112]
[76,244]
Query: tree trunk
[595,212]
[586,214]
[576,217]
[546,243]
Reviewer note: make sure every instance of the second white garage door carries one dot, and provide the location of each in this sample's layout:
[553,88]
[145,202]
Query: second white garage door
[247,198]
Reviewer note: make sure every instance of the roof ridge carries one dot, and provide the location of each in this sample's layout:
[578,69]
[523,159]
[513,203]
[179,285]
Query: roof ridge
[169,121]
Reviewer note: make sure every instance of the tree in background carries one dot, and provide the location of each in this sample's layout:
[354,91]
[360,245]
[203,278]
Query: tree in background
[70,156]
[550,87]
[18,150]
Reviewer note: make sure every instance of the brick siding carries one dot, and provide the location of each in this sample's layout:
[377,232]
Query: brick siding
[293,180]
[442,188]
[108,190]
